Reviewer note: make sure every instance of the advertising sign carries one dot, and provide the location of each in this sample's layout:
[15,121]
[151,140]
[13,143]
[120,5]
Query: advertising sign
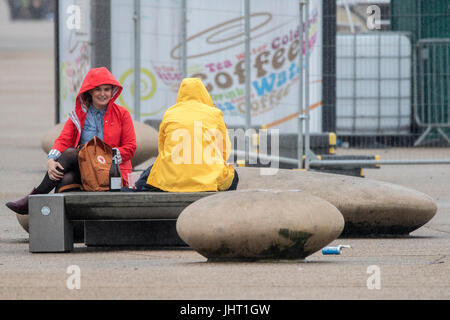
[216,54]
[74,31]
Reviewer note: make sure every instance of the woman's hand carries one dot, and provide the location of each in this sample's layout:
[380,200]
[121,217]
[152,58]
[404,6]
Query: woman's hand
[53,173]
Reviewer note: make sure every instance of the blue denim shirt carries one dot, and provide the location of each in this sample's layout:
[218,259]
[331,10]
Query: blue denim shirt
[93,126]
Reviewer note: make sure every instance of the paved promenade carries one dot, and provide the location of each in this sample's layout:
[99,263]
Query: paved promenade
[415,267]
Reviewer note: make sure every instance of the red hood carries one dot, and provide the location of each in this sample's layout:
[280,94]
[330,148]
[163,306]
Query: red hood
[96,77]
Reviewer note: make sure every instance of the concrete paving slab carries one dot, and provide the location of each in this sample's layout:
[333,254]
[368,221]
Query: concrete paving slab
[414,267]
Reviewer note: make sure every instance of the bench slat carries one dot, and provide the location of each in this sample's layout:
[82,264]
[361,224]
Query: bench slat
[133,199]
[128,205]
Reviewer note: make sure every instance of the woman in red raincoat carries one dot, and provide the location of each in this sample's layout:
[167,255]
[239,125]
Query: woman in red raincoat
[95,114]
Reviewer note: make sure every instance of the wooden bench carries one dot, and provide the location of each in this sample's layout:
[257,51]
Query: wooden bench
[53,216]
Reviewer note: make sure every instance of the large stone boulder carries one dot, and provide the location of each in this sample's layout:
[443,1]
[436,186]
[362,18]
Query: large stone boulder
[147,143]
[259,224]
[23,221]
[369,207]
[50,136]
[146,139]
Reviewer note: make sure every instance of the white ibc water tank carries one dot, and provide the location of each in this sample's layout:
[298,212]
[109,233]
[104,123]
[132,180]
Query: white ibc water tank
[373,83]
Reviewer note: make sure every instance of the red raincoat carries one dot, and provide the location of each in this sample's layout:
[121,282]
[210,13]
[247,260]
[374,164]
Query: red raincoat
[118,129]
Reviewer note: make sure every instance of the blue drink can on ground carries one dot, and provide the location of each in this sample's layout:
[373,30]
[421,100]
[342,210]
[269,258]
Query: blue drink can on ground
[334,250]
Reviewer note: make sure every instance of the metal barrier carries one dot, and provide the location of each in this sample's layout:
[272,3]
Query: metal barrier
[432,87]
[389,84]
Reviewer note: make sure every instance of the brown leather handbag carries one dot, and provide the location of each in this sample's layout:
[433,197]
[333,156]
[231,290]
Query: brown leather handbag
[94,160]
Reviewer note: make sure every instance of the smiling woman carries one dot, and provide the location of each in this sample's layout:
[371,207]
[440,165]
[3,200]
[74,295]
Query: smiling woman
[101,95]
[95,115]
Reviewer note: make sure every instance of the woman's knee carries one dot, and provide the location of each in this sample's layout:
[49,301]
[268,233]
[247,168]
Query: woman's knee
[70,182]
[69,158]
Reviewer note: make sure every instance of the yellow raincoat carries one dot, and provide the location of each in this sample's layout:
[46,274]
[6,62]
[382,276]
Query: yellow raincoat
[193,144]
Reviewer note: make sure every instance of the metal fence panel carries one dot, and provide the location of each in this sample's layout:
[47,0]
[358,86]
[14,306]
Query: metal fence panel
[392,83]
[432,86]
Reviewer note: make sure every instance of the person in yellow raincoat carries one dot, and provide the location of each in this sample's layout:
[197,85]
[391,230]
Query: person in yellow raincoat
[193,146]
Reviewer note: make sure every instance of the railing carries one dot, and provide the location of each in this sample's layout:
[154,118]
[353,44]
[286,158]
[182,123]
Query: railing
[432,87]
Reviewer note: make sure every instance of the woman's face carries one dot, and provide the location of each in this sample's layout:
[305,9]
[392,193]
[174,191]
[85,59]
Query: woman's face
[101,95]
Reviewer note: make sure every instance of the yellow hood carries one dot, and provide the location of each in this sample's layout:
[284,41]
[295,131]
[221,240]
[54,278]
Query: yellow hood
[193,89]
